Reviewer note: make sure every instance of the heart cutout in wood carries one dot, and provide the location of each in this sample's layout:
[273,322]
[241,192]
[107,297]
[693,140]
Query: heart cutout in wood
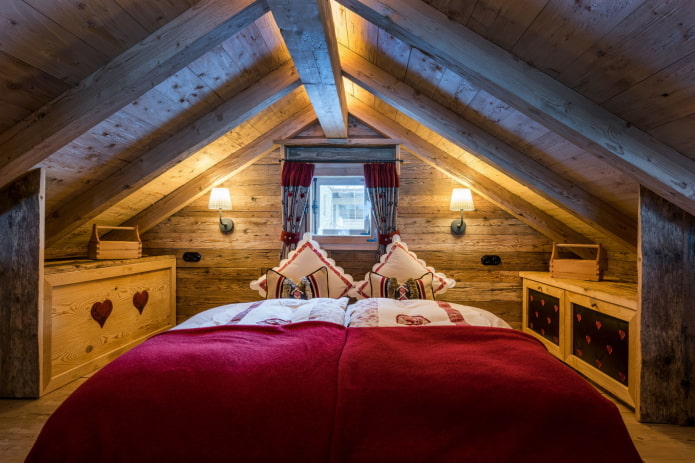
[140,300]
[101,311]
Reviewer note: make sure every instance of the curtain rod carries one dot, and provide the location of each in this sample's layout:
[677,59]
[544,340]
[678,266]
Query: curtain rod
[344,161]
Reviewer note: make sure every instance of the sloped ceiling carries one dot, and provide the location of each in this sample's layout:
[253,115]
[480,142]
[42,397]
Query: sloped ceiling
[554,110]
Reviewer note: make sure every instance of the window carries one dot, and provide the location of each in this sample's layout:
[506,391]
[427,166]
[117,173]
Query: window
[340,207]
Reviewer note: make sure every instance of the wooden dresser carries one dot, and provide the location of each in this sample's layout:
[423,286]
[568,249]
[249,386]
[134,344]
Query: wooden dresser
[592,326]
[96,310]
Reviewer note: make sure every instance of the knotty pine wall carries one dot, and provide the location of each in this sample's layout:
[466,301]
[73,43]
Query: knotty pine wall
[230,262]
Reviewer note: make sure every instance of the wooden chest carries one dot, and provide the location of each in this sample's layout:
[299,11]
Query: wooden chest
[94,311]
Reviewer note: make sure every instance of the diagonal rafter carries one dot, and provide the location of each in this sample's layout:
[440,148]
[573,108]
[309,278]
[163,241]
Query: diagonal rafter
[72,214]
[539,96]
[512,162]
[221,172]
[495,193]
[309,34]
[121,81]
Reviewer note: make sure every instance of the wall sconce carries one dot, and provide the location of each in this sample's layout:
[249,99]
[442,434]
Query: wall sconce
[221,200]
[461,200]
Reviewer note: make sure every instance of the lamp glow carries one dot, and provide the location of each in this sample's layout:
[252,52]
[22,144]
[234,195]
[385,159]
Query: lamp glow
[221,200]
[461,200]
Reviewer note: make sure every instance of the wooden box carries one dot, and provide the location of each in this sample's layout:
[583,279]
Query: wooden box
[590,269]
[108,249]
[96,310]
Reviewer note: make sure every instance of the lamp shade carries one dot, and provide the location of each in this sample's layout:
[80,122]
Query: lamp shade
[461,200]
[220,199]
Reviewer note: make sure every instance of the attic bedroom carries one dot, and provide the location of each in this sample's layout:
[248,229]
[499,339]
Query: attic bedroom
[570,122]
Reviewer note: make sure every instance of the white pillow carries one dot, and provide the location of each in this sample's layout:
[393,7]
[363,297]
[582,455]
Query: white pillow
[305,259]
[417,312]
[270,312]
[401,264]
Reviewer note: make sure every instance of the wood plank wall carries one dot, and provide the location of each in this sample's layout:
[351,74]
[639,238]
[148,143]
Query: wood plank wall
[21,290]
[667,324]
[230,262]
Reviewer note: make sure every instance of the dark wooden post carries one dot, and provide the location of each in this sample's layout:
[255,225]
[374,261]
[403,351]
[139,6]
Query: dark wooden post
[21,283]
[667,305]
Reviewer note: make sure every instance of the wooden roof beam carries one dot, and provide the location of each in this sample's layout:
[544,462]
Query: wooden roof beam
[309,34]
[542,98]
[121,81]
[442,161]
[221,172]
[582,205]
[83,208]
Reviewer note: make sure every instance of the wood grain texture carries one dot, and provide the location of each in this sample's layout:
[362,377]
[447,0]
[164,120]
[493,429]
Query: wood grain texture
[432,155]
[504,157]
[230,262]
[668,332]
[309,34]
[21,291]
[140,294]
[216,123]
[119,82]
[537,95]
[220,173]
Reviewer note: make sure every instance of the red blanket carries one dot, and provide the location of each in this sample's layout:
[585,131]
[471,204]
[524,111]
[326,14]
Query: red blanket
[318,392]
[468,394]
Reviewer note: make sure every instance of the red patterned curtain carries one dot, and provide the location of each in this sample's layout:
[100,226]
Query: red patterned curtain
[382,182]
[296,180]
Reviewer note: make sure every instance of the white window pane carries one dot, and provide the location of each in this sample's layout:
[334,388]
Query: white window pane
[340,207]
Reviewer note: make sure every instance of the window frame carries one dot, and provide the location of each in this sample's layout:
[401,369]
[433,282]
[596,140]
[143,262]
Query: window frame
[342,242]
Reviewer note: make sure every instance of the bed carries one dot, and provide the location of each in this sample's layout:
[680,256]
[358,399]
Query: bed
[337,379]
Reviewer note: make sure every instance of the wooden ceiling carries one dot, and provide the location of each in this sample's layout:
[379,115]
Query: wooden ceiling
[555,110]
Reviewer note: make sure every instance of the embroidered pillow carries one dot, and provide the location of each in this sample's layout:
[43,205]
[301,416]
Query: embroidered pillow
[305,259]
[417,312]
[412,288]
[308,287]
[399,263]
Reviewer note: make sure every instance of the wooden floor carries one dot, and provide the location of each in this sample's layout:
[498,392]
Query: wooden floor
[21,421]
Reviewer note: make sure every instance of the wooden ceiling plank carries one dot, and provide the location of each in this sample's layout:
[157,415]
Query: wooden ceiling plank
[72,214]
[41,42]
[154,14]
[514,163]
[310,37]
[442,161]
[103,24]
[121,81]
[650,162]
[220,172]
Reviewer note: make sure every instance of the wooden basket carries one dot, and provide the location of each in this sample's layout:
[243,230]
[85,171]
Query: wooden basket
[590,269]
[106,249]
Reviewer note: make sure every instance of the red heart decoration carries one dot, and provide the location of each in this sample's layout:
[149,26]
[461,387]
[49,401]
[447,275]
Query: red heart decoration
[579,317]
[101,311]
[556,308]
[411,320]
[598,325]
[622,334]
[609,348]
[140,300]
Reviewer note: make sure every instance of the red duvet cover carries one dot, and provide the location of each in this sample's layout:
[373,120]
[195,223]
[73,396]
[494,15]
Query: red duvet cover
[319,392]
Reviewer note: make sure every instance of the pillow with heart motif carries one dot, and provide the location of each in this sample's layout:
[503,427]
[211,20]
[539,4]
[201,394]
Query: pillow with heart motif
[412,288]
[373,312]
[400,263]
[308,287]
[307,257]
